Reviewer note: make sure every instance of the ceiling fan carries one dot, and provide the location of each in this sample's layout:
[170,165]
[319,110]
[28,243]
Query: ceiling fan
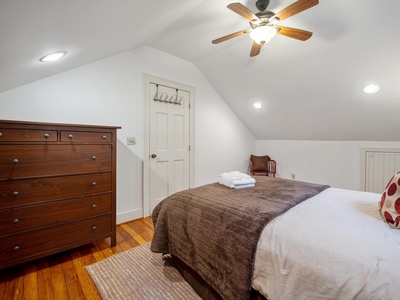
[264,24]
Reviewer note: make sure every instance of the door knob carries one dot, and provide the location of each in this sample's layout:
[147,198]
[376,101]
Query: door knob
[153,156]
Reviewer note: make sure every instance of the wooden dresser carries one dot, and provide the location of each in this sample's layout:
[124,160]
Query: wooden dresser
[57,188]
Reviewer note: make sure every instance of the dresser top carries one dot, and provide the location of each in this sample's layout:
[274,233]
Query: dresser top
[41,124]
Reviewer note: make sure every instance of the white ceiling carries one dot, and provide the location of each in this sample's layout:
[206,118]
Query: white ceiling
[309,90]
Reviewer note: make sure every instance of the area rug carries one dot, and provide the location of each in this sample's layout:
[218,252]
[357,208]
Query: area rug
[139,273]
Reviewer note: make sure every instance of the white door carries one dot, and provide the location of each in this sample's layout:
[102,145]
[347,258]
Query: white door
[380,166]
[169,140]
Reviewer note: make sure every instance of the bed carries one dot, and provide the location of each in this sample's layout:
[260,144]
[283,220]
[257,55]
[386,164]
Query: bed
[282,239]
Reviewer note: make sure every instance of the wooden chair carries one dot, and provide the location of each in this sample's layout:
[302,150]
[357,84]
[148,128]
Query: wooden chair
[262,165]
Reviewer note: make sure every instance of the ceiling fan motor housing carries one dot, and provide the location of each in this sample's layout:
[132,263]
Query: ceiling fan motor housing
[264,17]
[262,4]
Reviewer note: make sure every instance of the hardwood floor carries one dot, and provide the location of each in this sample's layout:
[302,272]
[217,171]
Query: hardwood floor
[62,276]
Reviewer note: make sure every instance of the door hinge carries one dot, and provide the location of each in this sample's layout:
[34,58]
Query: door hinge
[189,148]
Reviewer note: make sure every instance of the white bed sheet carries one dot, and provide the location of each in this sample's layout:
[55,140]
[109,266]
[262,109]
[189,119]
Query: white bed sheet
[335,245]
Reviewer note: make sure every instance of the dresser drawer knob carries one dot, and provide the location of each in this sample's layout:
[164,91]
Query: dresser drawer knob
[46,135]
[94,183]
[94,228]
[1,134]
[104,137]
[15,161]
[16,248]
[15,193]
[94,157]
[94,206]
[70,136]
[16,221]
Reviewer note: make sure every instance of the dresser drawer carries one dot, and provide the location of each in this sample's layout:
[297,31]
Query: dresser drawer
[38,243]
[27,135]
[18,161]
[14,193]
[86,137]
[53,213]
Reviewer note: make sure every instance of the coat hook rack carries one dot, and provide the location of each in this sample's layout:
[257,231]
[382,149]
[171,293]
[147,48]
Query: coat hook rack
[165,98]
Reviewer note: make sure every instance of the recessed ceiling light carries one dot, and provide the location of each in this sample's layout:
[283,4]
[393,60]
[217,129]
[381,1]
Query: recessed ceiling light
[53,56]
[371,89]
[257,105]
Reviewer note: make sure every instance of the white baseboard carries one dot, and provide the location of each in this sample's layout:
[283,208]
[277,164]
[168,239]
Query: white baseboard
[129,216]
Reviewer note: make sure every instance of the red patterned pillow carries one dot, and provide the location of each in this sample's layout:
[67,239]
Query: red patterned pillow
[390,202]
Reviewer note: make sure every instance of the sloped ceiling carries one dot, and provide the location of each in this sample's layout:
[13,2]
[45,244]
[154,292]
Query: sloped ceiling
[309,90]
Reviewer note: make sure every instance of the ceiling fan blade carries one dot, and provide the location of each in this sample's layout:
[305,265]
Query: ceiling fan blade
[294,33]
[295,8]
[242,10]
[230,36]
[255,49]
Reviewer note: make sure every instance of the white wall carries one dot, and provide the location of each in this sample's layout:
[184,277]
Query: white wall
[110,92]
[336,163]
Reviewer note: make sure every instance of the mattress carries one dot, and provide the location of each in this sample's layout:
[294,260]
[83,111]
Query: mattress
[334,245]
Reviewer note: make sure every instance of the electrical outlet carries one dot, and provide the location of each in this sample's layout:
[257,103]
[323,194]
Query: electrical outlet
[131,140]
[293,175]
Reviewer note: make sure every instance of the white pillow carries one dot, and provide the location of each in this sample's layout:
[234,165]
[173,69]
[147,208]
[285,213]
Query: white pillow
[390,202]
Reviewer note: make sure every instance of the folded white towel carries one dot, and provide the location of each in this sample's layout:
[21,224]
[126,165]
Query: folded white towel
[233,175]
[243,181]
[243,186]
[236,180]
[237,186]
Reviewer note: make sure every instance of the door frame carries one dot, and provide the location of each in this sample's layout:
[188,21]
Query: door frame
[147,80]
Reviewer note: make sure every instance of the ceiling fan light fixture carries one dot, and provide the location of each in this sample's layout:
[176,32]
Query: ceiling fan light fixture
[262,34]
[273,21]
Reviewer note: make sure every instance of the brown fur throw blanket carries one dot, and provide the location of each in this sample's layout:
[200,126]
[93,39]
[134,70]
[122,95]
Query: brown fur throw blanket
[215,229]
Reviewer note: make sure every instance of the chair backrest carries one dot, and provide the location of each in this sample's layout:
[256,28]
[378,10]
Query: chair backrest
[262,165]
[259,163]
